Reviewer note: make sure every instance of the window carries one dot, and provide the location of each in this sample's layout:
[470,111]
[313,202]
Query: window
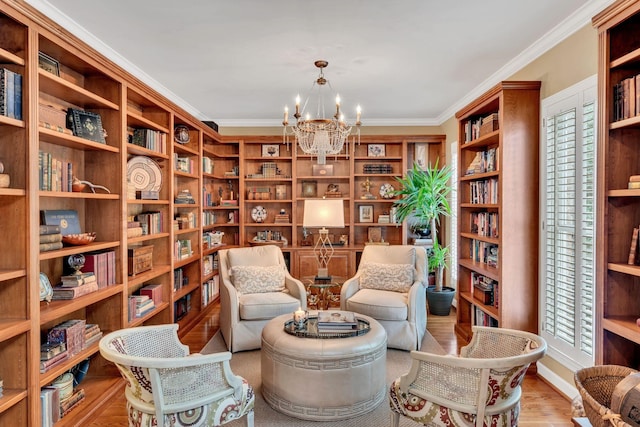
[567,200]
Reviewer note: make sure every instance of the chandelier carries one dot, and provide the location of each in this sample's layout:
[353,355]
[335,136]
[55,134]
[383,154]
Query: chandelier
[319,136]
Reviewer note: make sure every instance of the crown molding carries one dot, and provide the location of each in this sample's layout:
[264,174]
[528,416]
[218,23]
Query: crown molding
[560,32]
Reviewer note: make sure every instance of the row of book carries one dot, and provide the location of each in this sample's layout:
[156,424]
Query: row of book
[54,174]
[148,138]
[483,319]
[50,238]
[484,191]
[151,222]
[103,265]
[183,163]
[10,94]
[484,161]
[181,307]
[626,98]
[210,290]
[484,224]
[479,126]
[207,165]
[179,279]
[484,252]
[149,297]
[52,409]
[485,289]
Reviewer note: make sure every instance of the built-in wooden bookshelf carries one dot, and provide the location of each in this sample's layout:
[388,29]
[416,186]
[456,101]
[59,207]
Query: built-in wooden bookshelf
[79,78]
[377,160]
[618,210]
[498,208]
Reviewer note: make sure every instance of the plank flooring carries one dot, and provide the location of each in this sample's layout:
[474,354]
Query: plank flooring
[541,405]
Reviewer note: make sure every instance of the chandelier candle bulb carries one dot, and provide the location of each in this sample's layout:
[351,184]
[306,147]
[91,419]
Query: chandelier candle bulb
[286,116]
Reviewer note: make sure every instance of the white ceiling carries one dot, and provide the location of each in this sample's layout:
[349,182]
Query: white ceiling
[406,62]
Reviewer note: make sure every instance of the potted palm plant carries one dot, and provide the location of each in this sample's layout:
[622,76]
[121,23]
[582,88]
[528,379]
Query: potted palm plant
[423,196]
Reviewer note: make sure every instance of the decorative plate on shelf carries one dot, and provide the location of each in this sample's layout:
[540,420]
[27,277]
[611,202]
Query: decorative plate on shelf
[259,214]
[144,174]
[386,191]
[181,134]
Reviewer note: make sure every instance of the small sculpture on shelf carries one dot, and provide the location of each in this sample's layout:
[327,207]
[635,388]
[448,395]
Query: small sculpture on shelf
[78,186]
[366,185]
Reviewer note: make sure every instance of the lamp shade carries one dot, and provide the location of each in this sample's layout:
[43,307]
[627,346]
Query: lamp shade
[320,213]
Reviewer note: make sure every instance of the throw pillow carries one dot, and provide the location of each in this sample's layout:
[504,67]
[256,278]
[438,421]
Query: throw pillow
[253,279]
[387,277]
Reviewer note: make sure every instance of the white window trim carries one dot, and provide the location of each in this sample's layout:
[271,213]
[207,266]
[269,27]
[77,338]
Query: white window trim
[573,96]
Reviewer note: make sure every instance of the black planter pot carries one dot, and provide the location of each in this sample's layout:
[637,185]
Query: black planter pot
[440,302]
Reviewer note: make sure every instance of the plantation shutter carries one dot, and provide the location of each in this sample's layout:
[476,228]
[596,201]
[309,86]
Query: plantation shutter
[567,237]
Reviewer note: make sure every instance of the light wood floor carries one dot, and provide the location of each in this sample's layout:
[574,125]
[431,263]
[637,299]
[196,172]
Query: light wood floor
[541,405]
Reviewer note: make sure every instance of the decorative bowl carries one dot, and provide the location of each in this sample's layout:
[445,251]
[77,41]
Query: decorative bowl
[79,239]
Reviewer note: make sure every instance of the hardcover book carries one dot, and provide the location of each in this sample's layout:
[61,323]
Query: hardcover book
[85,124]
[67,220]
[65,293]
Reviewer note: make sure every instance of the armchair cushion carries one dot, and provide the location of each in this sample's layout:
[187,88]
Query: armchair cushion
[388,277]
[379,304]
[268,305]
[253,279]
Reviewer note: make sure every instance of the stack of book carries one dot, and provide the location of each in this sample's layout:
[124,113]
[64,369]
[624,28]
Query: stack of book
[139,305]
[92,333]
[634,181]
[71,333]
[154,292]
[75,285]
[51,355]
[282,218]
[50,238]
[72,402]
[134,229]
[331,321]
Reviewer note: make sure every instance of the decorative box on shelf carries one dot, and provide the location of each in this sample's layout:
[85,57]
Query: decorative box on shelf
[140,259]
[489,124]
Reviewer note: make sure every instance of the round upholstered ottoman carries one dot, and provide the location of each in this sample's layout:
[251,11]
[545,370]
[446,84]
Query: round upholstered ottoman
[323,379]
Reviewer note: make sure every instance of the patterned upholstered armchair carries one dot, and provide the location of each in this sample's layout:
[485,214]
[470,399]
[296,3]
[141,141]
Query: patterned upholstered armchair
[168,387]
[255,287]
[479,388]
[390,286]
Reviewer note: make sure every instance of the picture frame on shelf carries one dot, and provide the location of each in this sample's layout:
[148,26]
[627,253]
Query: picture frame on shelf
[374,234]
[270,150]
[365,213]
[309,188]
[49,64]
[376,150]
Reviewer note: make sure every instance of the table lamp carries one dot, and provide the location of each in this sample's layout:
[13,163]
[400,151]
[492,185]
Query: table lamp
[323,214]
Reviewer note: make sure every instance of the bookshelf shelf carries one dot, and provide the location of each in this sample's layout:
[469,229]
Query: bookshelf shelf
[63,89]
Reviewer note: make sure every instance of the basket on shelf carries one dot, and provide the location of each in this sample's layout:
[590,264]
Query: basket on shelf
[596,385]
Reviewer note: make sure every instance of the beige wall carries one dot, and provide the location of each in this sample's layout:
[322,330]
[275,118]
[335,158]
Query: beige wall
[571,61]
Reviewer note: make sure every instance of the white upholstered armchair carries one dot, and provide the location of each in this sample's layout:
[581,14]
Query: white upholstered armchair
[390,286]
[165,386]
[255,287]
[480,388]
